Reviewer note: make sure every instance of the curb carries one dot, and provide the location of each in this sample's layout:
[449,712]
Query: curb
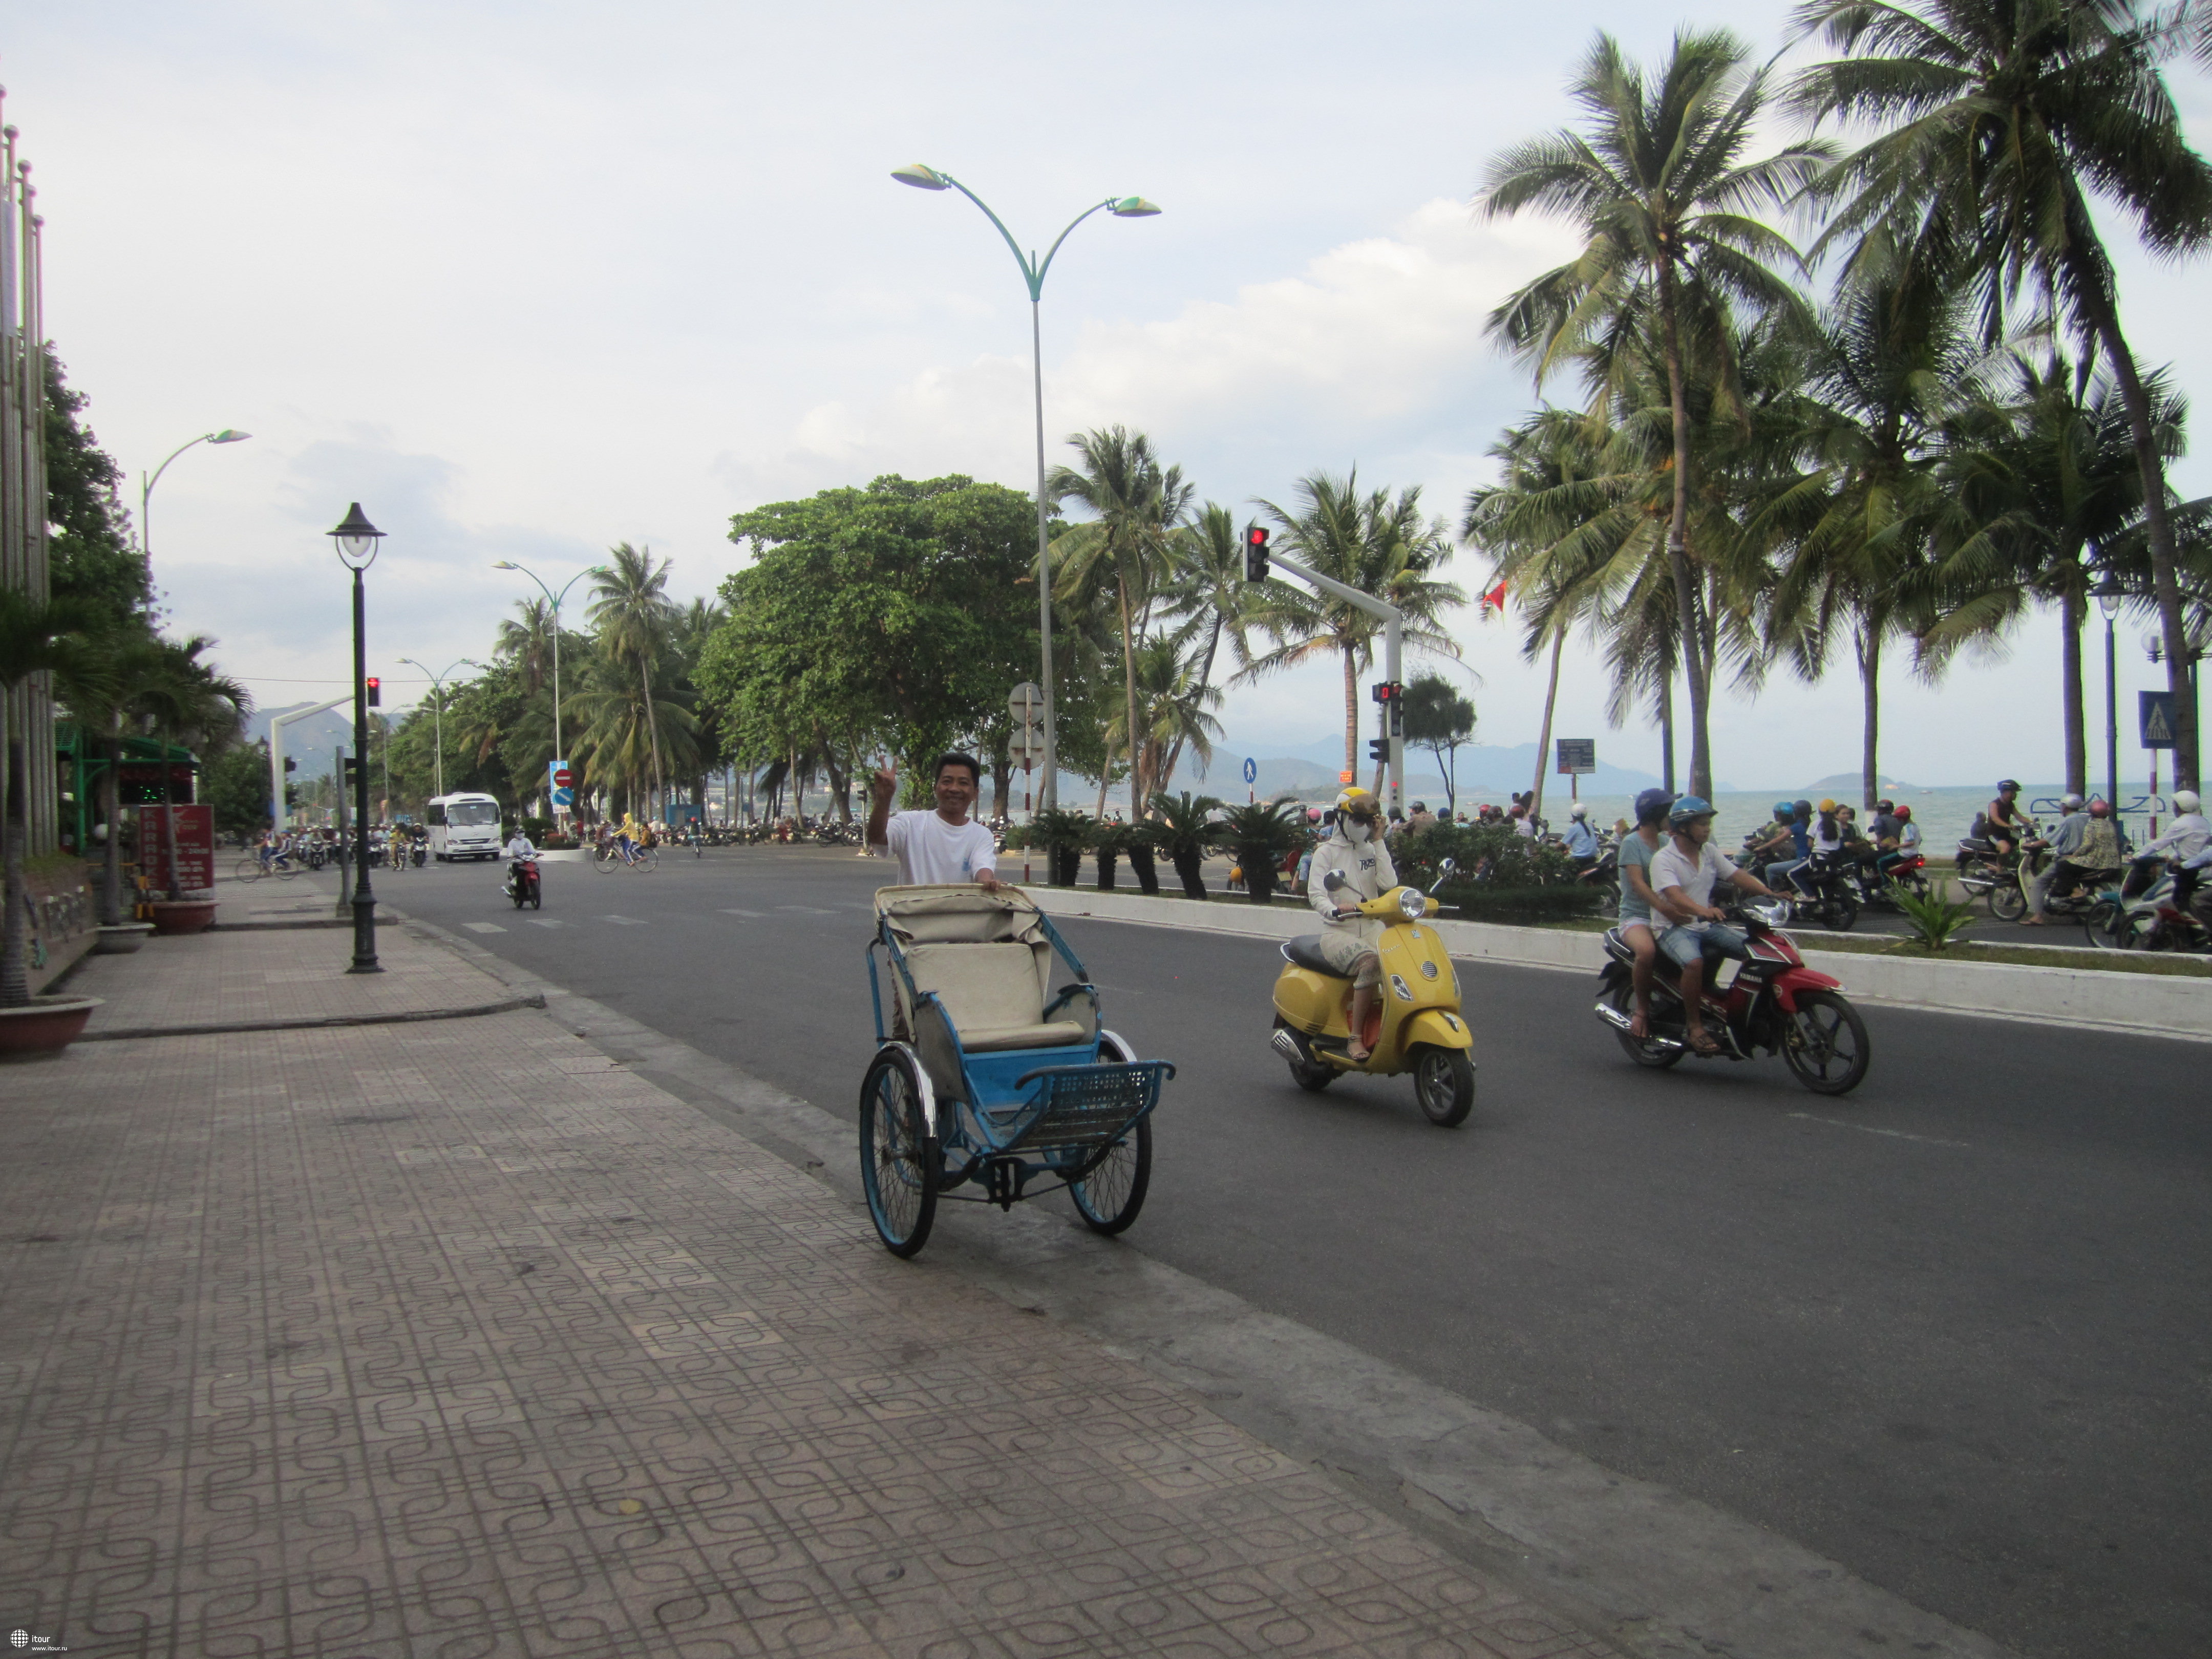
[222,1028]
[2138,1005]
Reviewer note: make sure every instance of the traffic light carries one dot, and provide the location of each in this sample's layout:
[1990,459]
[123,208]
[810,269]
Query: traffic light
[375,692]
[291,765]
[1391,694]
[1378,749]
[1256,553]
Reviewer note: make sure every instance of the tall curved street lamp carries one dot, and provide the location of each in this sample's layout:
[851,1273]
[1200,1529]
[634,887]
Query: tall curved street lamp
[355,540]
[554,599]
[1033,273]
[437,708]
[227,435]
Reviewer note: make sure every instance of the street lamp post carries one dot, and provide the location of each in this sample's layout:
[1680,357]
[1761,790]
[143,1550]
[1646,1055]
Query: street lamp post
[438,710]
[227,435]
[554,599]
[355,540]
[2109,593]
[1033,273]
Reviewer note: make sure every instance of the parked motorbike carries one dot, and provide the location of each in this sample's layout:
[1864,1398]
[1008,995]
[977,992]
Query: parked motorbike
[523,885]
[1773,1002]
[1415,1026]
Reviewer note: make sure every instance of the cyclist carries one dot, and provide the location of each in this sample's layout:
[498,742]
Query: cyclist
[630,835]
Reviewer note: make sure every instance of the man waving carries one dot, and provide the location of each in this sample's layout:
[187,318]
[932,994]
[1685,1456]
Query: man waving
[943,844]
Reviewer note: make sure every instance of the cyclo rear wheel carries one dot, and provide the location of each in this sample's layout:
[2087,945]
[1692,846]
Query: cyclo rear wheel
[900,1163]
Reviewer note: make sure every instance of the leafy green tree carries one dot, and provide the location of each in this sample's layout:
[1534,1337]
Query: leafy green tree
[1439,720]
[1999,121]
[91,557]
[1659,183]
[235,784]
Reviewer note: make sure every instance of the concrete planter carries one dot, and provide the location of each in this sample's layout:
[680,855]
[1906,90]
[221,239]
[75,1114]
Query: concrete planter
[182,915]
[46,1025]
[120,941]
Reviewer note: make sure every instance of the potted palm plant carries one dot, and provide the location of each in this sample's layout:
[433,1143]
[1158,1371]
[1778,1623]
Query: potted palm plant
[1185,831]
[1061,832]
[1140,842]
[1107,841]
[36,636]
[1258,838]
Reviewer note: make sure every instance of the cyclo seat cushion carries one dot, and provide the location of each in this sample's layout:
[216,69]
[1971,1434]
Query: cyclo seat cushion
[1305,951]
[988,960]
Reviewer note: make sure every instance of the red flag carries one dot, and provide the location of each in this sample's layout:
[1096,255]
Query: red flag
[1495,596]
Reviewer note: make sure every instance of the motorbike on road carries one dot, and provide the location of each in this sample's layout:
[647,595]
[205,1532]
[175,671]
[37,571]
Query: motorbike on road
[1774,1003]
[1415,1026]
[523,885]
[1830,890]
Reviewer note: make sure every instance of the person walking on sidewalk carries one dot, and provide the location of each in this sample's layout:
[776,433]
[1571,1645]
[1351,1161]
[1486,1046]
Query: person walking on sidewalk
[943,843]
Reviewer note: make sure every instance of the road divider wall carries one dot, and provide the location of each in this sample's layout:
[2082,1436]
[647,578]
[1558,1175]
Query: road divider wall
[2154,1005]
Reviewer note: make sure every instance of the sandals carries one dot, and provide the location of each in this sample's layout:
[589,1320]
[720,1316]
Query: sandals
[1701,1042]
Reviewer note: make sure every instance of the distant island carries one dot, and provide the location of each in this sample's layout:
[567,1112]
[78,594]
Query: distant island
[1851,781]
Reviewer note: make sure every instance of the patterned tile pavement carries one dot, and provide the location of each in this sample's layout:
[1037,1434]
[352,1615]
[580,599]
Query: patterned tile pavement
[459,1339]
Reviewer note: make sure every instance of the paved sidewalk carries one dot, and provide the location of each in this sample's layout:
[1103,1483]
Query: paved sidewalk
[457,1339]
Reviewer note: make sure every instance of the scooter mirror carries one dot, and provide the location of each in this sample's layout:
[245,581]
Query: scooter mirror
[1333,880]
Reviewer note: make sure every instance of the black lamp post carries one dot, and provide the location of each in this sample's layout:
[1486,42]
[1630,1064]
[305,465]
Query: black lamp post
[2109,593]
[355,540]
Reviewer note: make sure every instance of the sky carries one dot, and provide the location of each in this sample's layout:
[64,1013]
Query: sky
[527,280]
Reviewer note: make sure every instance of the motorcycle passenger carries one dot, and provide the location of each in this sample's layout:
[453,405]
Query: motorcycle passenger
[2184,840]
[1801,846]
[2065,843]
[1772,843]
[1684,872]
[2095,858]
[1581,839]
[2002,821]
[1349,940]
[1826,839]
[1643,910]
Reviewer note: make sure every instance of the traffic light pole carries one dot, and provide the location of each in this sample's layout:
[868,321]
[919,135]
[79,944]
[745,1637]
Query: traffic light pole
[1394,620]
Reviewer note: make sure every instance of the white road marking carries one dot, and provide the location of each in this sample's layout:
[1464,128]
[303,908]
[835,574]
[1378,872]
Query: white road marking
[543,922]
[807,909]
[1869,1129]
[624,922]
[750,916]
[483,927]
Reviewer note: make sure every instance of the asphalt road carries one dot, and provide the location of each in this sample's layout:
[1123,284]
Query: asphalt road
[1955,1330]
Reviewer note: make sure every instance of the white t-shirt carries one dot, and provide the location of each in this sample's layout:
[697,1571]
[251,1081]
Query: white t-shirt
[1669,868]
[931,850]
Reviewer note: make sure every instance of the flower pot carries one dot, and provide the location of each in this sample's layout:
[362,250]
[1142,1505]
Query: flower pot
[182,915]
[45,1025]
[121,940]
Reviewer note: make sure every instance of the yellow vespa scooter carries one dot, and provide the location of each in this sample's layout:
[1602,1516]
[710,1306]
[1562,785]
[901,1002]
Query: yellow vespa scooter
[1415,1026]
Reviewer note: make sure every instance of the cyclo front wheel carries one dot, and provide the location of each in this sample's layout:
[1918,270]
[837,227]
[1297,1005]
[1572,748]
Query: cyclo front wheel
[899,1158]
[1109,1194]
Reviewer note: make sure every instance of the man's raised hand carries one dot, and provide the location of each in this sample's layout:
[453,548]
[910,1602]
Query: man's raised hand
[886,781]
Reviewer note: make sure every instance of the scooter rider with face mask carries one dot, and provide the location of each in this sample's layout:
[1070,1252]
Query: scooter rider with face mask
[1354,847]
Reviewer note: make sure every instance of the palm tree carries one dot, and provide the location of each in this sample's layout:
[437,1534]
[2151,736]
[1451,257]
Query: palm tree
[36,637]
[1140,504]
[100,686]
[529,642]
[1660,187]
[1377,545]
[2001,119]
[182,697]
[1172,705]
[633,614]
[1891,362]
[628,728]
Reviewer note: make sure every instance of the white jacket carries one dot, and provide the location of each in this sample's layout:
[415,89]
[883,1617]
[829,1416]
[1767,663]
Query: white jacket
[1368,874]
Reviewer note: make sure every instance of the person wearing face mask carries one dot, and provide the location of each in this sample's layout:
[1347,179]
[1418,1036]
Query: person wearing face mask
[1354,849]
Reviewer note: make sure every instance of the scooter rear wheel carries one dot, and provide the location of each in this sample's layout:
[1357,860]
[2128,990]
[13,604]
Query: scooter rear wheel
[1444,1083]
[1642,1050]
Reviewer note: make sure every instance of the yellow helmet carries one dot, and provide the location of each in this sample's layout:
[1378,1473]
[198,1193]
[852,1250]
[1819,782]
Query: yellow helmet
[1827,805]
[1353,796]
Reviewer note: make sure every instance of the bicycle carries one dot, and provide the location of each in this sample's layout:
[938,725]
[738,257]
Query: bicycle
[611,856]
[253,869]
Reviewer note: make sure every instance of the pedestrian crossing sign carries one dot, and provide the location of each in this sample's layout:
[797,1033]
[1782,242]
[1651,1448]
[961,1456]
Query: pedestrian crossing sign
[2156,711]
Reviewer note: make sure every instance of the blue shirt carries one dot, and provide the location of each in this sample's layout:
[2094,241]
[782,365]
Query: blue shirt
[1582,840]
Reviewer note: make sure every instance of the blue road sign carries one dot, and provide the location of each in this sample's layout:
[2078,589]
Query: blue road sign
[1251,770]
[2155,710]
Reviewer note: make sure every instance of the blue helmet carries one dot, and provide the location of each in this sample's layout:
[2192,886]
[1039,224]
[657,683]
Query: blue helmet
[1783,813]
[1651,806]
[1688,808]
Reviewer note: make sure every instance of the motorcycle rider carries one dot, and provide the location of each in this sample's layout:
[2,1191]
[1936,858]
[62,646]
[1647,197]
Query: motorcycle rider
[1581,840]
[2002,821]
[2188,835]
[1683,873]
[2065,843]
[1349,940]
[519,851]
[2097,857]
[1642,909]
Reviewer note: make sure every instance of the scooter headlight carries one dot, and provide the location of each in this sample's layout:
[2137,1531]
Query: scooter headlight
[1411,904]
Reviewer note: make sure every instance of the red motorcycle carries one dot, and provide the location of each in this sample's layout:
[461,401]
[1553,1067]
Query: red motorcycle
[1774,1002]
[522,885]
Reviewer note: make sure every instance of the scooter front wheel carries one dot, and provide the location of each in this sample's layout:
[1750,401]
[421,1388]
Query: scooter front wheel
[1443,1082]
[1825,1043]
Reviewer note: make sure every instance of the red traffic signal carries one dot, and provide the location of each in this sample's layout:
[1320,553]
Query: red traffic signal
[1256,553]
[1389,691]
[375,691]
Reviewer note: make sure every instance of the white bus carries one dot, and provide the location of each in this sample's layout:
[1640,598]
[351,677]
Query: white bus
[465,827]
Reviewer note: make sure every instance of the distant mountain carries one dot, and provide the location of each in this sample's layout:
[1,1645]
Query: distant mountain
[1849,781]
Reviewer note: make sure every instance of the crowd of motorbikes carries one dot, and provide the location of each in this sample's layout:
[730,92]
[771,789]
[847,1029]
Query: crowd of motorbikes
[2146,903]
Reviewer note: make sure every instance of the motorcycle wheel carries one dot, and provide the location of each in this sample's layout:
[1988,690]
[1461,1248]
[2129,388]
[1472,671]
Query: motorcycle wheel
[1642,1051]
[2102,924]
[1838,915]
[1444,1083]
[516,896]
[537,899]
[1825,1043]
[2009,900]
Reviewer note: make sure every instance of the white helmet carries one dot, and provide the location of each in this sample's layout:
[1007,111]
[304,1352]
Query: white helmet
[2071,803]
[2184,800]
[1578,810]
